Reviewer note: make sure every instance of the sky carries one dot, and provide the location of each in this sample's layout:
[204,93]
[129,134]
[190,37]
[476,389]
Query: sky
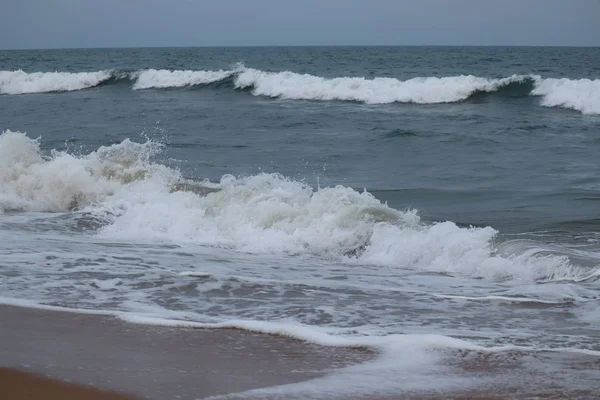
[147,23]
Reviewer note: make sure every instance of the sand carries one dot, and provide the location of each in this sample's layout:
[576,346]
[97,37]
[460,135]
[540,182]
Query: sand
[19,385]
[158,362]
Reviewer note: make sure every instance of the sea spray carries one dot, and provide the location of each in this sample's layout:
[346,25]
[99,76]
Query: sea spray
[580,94]
[261,214]
[61,182]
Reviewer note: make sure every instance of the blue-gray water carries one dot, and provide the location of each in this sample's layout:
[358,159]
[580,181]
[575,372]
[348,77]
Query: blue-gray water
[251,169]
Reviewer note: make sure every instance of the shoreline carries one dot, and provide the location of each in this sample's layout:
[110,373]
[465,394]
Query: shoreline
[158,362]
[71,355]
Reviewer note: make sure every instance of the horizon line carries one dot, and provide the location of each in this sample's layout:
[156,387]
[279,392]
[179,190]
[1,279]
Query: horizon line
[297,46]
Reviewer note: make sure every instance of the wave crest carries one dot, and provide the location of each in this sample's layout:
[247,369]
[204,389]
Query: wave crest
[62,182]
[152,78]
[422,90]
[271,214]
[266,213]
[19,82]
[581,94]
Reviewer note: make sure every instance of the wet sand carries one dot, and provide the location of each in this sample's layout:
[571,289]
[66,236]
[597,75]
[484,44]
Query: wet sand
[19,385]
[158,362]
[164,363]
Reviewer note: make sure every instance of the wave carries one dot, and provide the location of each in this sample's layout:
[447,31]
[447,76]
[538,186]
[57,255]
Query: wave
[62,182]
[422,90]
[152,78]
[265,214]
[582,95]
[19,82]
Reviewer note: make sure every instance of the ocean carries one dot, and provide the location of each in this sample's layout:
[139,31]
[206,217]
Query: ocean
[433,203]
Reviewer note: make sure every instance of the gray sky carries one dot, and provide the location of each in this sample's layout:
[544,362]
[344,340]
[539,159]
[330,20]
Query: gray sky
[127,23]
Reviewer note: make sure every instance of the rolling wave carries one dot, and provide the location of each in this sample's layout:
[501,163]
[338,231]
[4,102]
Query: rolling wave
[262,214]
[422,90]
[152,78]
[20,82]
[580,94]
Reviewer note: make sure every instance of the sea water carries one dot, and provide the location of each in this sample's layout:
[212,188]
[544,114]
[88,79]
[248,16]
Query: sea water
[429,202]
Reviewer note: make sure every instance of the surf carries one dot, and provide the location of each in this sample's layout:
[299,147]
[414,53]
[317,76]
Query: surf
[581,95]
[20,82]
[139,198]
[152,78]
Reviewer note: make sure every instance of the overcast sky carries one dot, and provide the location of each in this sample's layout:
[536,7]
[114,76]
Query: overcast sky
[133,23]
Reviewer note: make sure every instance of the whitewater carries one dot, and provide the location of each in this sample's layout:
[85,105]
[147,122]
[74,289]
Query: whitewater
[435,208]
[265,213]
[301,261]
[582,95]
[125,197]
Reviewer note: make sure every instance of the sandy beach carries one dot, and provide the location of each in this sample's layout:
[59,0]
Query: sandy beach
[157,362]
[21,385]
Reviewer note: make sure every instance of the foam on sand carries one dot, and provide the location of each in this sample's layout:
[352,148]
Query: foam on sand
[404,364]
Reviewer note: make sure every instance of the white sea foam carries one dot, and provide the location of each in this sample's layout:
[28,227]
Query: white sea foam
[270,214]
[580,94]
[313,334]
[19,82]
[445,247]
[61,181]
[266,213]
[263,214]
[424,90]
[152,78]
[498,298]
[404,362]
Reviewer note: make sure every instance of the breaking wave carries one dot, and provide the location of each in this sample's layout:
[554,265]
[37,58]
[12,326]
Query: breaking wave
[163,78]
[426,90]
[266,214]
[581,95]
[30,181]
[19,82]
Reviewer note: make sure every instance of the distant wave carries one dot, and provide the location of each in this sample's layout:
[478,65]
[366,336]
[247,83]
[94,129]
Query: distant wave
[580,94]
[152,78]
[425,90]
[19,82]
